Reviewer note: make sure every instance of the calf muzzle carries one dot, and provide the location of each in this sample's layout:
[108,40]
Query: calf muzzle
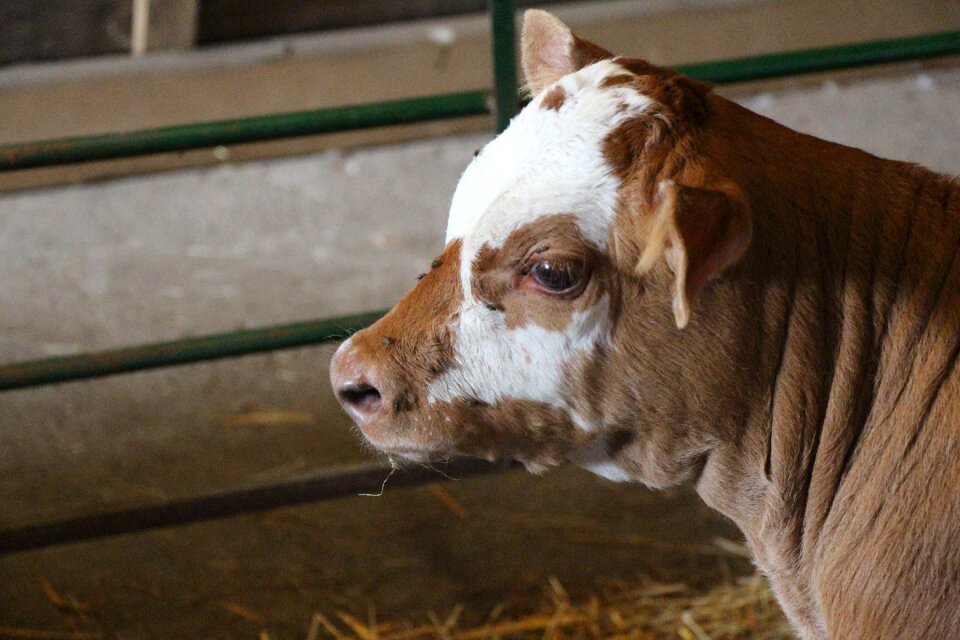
[357,385]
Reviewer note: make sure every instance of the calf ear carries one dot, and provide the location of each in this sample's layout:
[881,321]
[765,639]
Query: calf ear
[549,50]
[699,232]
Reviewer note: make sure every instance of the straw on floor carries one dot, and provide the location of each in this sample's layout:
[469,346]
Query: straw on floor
[743,609]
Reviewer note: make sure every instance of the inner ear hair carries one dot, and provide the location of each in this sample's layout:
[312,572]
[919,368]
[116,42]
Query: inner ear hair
[549,50]
[700,232]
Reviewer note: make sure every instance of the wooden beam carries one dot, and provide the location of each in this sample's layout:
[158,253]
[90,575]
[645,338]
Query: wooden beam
[139,26]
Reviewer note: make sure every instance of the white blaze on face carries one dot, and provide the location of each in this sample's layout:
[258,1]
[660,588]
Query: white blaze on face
[548,161]
[493,362]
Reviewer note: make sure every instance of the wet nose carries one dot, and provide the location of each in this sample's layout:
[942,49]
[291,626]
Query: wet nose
[356,385]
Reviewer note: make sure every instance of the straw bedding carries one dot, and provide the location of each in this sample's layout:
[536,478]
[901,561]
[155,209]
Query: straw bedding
[743,608]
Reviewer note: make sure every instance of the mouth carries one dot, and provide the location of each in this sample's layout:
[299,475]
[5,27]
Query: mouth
[401,450]
[400,456]
[395,440]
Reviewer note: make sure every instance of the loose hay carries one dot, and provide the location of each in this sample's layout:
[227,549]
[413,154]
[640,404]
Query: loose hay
[744,609]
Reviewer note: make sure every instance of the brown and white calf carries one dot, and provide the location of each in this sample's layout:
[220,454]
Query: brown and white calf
[655,283]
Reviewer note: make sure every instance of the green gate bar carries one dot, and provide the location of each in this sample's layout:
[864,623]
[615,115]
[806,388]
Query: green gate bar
[503,40]
[325,484]
[185,351]
[790,63]
[256,129]
[12,157]
[109,146]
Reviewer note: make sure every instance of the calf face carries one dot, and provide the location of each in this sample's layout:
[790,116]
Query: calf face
[581,228]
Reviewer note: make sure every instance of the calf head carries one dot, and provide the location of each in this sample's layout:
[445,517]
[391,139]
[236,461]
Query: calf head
[553,325]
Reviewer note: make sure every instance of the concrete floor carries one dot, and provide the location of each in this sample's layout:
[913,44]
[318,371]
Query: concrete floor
[174,254]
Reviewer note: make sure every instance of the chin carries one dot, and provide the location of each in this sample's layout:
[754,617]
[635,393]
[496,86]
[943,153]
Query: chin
[406,452]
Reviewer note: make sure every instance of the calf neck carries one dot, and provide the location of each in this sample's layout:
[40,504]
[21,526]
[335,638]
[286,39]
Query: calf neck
[841,461]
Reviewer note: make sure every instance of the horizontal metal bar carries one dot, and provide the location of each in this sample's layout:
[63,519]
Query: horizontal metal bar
[826,59]
[51,370]
[325,485]
[226,132]
[176,352]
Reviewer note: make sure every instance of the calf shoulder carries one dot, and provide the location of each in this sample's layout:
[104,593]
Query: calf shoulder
[882,519]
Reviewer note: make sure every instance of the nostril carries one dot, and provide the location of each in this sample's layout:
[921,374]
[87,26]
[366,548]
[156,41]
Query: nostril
[360,396]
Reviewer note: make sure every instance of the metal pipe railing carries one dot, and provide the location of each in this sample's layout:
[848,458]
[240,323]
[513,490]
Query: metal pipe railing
[177,352]
[28,155]
[53,370]
[503,35]
[108,146]
[849,56]
[327,484]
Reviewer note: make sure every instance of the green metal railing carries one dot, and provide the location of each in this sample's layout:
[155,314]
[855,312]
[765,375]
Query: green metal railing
[503,105]
[503,39]
[185,351]
[241,130]
[323,484]
[792,63]
[13,157]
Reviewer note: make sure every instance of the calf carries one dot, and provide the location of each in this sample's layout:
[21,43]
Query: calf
[655,283]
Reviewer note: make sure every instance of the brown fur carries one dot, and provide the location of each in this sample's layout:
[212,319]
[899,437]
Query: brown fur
[814,397]
[499,278]
[554,99]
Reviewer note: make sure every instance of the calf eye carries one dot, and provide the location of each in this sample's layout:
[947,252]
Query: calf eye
[556,277]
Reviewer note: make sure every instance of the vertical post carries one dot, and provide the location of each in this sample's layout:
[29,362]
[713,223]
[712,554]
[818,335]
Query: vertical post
[503,37]
[139,27]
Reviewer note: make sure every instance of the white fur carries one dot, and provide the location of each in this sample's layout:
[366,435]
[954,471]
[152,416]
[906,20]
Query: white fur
[609,470]
[595,459]
[495,363]
[547,162]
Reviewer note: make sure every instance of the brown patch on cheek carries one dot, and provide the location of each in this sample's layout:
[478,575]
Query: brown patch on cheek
[491,279]
[548,316]
[413,343]
[601,387]
[522,429]
[646,383]
[554,99]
